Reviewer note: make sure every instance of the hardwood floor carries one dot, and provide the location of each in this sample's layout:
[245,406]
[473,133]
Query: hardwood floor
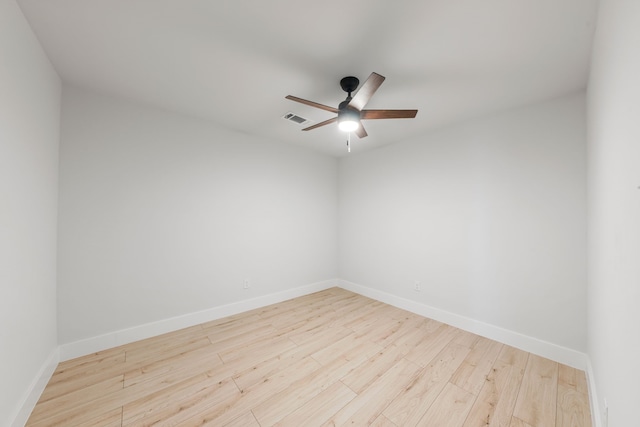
[327,359]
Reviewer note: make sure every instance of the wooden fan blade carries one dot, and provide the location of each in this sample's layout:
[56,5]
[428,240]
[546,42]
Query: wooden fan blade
[360,131]
[367,90]
[326,122]
[312,104]
[387,114]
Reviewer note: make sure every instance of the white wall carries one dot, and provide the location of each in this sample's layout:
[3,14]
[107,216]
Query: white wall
[488,215]
[614,211]
[162,215]
[29,135]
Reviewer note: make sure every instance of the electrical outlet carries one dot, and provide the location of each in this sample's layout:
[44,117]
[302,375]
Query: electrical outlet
[416,286]
[246,284]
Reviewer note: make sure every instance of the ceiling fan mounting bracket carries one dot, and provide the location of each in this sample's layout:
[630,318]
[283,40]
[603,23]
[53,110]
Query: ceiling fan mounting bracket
[349,84]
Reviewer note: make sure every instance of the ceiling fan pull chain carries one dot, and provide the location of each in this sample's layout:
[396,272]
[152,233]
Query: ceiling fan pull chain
[349,142]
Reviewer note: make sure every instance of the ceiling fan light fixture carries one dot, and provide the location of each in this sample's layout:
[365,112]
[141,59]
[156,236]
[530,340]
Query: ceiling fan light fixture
[348,120]
[348,125]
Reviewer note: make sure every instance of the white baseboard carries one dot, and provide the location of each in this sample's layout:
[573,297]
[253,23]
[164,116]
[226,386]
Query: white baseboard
[530,344]
[533,345]
[28,402]
[125,336]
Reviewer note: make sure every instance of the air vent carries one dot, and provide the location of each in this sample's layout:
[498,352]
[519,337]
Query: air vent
[296,119]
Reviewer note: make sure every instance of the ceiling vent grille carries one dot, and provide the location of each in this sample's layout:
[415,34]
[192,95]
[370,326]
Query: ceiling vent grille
[296,119]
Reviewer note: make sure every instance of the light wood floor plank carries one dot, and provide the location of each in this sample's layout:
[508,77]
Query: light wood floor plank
[269,367]
[58,405]
[226,342]
[288,400]
[573,408]
[266,346]
[495,403]
[173,407]
[368,405]
[167,343]
[514,356]
[365,374]
[537,400]
[517,360]
[237,322]
[319,409]
[517,422]
[330,351]
[404,326]
[472,374]
[231,408]
[408,341]
[139,372]
[431,345]
[408,408]
[466,339]
[87,365]
[328,358]
[108,419]
[572,378]
[149,404]
[450,407]
[67,384]
[382,421]
[430,325]
[245,420]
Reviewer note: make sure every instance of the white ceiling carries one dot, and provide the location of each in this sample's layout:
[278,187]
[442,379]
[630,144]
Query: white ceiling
[234,61]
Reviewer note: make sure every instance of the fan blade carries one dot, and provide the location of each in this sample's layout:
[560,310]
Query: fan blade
[360,131]
[326,122]
[387,114]
[367,90]
[312,104]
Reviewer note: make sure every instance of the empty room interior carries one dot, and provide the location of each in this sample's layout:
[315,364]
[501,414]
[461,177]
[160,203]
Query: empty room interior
[188,235]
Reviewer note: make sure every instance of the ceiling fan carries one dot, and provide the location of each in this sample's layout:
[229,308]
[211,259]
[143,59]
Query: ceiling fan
[350,111]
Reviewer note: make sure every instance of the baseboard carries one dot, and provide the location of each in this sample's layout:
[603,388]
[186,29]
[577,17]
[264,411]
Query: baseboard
[533,345]
[125,336]
[28,402]
[596,415]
